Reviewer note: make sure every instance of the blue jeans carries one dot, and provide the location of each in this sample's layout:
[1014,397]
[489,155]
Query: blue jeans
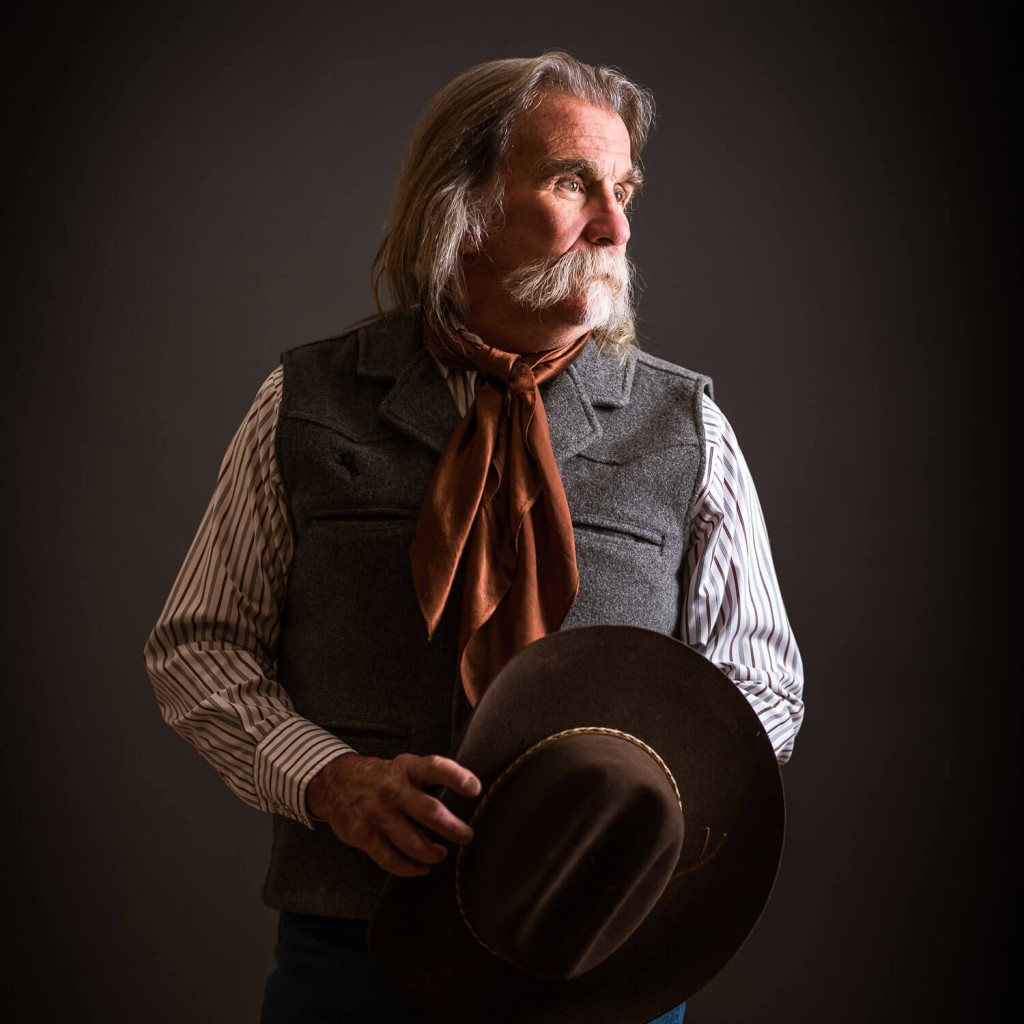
[325,974]
[674,1016]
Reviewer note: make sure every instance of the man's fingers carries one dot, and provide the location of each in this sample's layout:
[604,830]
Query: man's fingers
[408,840]
[381,807]
[392,860]
[443,771]
[431,813]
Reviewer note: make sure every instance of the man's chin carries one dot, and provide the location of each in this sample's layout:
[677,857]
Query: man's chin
[590,309]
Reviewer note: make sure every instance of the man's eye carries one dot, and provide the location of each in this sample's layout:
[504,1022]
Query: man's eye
[573,185]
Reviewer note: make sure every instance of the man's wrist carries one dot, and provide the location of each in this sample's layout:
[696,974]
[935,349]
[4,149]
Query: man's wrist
[286,760]
[316,788]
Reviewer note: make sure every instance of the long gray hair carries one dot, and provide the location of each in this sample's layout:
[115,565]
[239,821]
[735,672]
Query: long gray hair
[452,180]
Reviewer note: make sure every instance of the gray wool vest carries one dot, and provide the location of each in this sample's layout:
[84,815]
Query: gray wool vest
[363,420]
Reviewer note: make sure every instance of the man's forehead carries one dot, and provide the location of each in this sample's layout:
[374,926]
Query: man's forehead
[563,126]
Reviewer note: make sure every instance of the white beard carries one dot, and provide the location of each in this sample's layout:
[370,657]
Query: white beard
[602,303]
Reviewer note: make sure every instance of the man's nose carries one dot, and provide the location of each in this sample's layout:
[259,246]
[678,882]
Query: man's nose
[608,224]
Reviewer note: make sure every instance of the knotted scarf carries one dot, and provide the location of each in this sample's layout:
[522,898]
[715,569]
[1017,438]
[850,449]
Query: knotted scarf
[497,495]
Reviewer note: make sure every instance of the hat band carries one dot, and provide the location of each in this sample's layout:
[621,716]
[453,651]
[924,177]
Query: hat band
[518,763]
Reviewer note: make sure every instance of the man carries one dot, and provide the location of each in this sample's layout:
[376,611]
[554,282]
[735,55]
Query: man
[407,505]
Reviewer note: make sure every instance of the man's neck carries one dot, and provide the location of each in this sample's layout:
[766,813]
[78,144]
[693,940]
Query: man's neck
[526,336]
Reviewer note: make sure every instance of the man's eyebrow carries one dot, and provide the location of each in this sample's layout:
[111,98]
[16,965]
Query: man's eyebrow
[556,167]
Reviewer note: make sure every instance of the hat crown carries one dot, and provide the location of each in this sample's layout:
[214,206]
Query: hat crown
[573,846]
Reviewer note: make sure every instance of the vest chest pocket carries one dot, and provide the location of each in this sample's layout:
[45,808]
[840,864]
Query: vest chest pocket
[618,530]
[630,522]
[362,476]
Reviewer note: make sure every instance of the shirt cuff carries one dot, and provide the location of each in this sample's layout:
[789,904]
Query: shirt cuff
[286,759]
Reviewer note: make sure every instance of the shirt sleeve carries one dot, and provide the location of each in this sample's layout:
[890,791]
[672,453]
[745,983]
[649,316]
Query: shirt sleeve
[733,612]
[211,656]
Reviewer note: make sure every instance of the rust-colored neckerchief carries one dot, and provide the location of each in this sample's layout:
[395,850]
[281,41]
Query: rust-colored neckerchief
[497,495]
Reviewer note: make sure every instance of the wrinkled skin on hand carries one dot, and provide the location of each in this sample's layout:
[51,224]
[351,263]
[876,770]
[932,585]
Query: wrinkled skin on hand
[379,806]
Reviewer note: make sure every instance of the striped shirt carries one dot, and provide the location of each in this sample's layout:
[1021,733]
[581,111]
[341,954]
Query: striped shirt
[211,655]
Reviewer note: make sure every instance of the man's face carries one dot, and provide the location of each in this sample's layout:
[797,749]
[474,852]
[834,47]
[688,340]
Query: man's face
[569,178]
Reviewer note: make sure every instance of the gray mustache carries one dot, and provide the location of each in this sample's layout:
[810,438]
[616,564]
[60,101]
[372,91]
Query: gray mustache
[549,280]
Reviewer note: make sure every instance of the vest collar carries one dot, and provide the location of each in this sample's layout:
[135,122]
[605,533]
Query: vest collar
[420,405]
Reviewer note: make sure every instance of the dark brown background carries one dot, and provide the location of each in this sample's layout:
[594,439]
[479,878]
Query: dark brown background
[828,230]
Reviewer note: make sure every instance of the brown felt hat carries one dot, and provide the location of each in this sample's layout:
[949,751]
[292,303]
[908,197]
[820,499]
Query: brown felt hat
[626,840]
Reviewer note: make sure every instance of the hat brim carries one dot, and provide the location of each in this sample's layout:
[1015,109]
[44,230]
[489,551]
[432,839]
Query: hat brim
[684,707]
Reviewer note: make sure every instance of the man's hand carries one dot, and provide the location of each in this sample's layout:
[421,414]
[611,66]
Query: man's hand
[378,805]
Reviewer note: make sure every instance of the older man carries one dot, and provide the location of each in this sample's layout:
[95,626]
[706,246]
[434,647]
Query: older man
[410,503]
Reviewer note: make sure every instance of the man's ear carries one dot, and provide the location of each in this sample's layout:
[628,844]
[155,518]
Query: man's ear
[468,246]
